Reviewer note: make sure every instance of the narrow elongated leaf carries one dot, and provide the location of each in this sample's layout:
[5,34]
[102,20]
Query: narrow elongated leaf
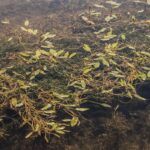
[82,109]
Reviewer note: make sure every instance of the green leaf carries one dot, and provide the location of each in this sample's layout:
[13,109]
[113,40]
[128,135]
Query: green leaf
[53,52]
[139,97]
[146,68]
[66,120]
[114,4]
[28,135]
[105,105]
[148,74]
[142,75]
[26,23]
[46,107]
[99,6]
[74,121]
[14,102]
[82,109]
[123,36]
[86,70]
[100,31]
[5,21]
[108,37]
[2,71]
[86,20]
[24,29]
[47,35]
[60,96]
[38,54]
[37,127]
[145,53]
[105,62]
[66,55]
[83,84]
[96,65]
[110,17]
[72,55]
[87,48]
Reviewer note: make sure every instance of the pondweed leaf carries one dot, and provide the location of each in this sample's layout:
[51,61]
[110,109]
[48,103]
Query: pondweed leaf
[66,120]
[139,97]
[86,70]
[104,61]
[66,55]
[83,84]
[2,71]
[110,18]
[99,6]
[74,121]
[28,135]
[105,105]
[49,111]
[5,21]
[113,3]
[96,65]
[146,68]
[142,76]
[86,20]
[47,35]
[30,31]
[123,36]
[37,128]
[26,23]
[47,45]
[87,48]
[100,31]
[72,55]
[82,109]
[109,36]
[148,74]
[14,102]
[145,53]
[46,107]
[10,39]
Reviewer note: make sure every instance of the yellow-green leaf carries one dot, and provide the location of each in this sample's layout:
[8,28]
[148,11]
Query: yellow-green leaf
[14,102]
[105,105]
[82,109]
[72,55]
[87,48]
[86,70]
[74,121]
[28,135]
[26,23]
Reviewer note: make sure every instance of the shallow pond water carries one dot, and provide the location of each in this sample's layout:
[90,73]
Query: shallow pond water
[128,128]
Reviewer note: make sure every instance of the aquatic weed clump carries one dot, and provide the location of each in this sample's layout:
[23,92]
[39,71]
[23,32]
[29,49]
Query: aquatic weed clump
[44,109]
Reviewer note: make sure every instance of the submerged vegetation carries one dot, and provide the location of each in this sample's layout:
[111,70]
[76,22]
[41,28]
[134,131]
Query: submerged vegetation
[50,76]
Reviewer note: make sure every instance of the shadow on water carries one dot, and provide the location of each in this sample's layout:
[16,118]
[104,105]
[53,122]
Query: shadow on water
[106,129]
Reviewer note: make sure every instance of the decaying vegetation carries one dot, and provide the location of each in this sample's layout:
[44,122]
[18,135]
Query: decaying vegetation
[50,75]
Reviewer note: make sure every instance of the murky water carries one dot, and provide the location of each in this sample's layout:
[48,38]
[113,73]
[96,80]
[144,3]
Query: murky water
[127,129]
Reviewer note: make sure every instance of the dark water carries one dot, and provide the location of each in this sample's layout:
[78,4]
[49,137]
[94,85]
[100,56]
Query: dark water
[127,129]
